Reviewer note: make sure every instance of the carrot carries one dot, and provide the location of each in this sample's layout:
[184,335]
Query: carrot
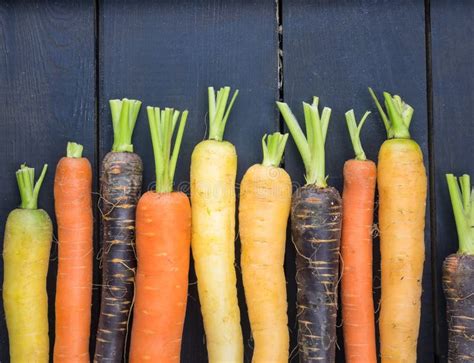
[26,251]
[265,200]
[316,215]
[120,183]
[356,251]
[458,273]
[402,187]
[163,248]
[73,205]
[213,172]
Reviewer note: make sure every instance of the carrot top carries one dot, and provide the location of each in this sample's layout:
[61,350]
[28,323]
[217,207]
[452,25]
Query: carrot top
[124,117]
[462,200]
[217,111]
[310,147]
[74,150]
[397,123]
[162,126]
[354,132]
[29,191]
[273,148]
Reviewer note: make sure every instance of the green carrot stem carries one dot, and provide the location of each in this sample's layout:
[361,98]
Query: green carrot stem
[219,111]
[397,123]
[311,147]
[273,148]
[462,200]
[74,150]
[29,191]
[162,126]
[124,116]
[354,132]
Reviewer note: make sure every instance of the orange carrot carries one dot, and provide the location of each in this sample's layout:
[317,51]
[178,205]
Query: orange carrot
[73,205]
[356,251]
[163,242]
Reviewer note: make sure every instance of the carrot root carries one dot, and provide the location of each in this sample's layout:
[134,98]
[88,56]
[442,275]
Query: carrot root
[356,253]
[73,205]
[402,186]
[458,274]
[121,179]
[163,252]
[316,216]
[265,199]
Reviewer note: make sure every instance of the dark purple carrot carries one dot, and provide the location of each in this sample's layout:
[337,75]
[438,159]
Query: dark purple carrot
[316,216]
[458,274]
[120,184]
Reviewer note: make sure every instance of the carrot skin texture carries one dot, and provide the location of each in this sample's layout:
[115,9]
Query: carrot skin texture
[402,186]
[121,180]
[73,205]
[163,251]
[265,200]
[356,256]
[458,274]
[26,252]
[316,217]
[213,172]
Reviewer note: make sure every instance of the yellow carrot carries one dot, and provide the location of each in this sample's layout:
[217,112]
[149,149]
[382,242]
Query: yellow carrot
[402,187]
[265,200]
[26,249]
[213,172]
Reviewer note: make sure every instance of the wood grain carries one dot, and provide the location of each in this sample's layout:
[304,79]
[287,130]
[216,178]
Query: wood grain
[335,50]
[47,86]
[452,54]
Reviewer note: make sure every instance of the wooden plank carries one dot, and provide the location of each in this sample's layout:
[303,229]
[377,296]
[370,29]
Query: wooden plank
[47,97]
[166,54]
[452,54]
[335,49]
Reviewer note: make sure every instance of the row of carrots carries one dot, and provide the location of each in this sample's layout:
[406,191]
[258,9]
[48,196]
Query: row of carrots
[146,240]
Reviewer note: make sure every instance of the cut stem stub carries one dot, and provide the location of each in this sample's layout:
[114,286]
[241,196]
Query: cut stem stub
[354,132]
[273,147]
[462,200]
[124,117]
[219,111]
[397,123]
[162,125]
[311,146]
[29,190]
[74,150]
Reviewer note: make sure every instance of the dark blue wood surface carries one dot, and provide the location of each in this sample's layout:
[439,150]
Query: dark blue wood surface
[61,61]
[335,50]
[47,98]
[166,54]
[452,57]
